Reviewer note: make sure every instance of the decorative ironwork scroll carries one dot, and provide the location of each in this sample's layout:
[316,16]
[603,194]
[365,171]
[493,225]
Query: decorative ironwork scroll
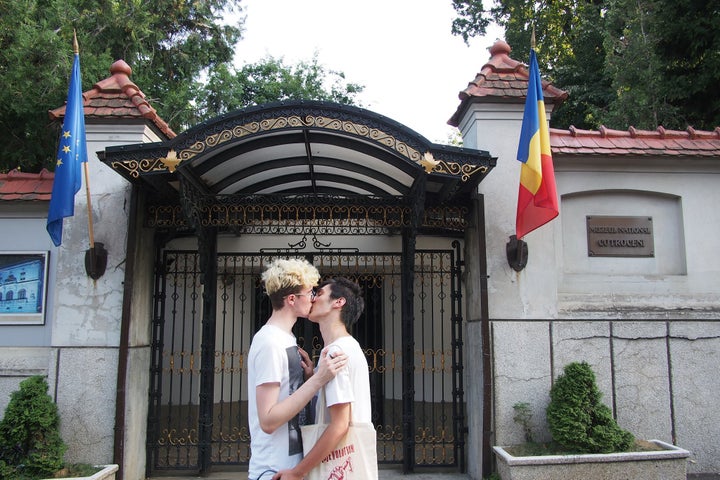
[336,119]
[465,171]
[302,245]
[288,216]
[300,121]
[193,205]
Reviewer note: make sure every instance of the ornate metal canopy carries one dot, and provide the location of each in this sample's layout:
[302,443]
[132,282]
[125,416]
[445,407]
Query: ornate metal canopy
[303,150]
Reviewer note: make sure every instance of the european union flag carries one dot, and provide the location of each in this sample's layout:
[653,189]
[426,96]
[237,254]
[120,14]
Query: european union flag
[72,151]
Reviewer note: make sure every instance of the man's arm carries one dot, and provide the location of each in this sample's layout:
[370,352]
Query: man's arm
[335,431]
[273,415]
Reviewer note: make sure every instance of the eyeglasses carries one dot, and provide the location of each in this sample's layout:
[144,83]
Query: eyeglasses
[312,294]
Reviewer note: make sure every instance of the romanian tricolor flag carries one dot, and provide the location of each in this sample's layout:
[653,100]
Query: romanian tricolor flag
[537,199]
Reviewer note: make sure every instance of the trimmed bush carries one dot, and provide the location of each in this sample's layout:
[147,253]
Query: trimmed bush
[30,442]
[578,419]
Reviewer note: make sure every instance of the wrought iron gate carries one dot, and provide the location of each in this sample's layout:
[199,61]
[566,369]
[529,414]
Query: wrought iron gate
[437,412]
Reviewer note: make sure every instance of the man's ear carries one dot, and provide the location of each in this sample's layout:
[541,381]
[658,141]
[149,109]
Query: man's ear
[340,301]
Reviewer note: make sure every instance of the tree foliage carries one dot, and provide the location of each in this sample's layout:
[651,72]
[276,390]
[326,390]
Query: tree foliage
[30,442]
[624,62]
[271,80]
[688,49]
[578,419]
[181,53]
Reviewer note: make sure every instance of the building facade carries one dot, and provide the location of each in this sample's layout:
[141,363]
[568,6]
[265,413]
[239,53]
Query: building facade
[146,362]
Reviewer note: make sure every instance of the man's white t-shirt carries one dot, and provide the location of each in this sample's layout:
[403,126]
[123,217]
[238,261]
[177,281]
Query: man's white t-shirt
[352,384]
[274,358]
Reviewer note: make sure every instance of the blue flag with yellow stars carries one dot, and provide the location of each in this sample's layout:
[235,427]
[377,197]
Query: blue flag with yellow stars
[72,151]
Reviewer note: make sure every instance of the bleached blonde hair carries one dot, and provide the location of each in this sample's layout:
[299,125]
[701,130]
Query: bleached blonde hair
[283,277]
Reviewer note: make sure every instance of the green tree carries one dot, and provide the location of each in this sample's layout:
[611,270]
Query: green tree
[624,62]
[688,49]
[181,53]
[472,20]
[569,45]
[578,419]
[271,80]
[170,44]
[30,442]
[639,100]
[33,70]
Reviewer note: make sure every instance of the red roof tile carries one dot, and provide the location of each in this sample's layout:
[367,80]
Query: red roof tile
[20,186]
[659,142]
[118,97]
[502,79]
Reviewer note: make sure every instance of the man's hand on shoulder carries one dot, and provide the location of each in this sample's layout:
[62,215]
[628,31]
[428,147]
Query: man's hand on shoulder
[330,364]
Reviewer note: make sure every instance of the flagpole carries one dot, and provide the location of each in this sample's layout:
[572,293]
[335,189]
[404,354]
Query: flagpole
[76,50]
[537,195]
[96,270]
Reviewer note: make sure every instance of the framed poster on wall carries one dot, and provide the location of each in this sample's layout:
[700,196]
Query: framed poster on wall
[23,287]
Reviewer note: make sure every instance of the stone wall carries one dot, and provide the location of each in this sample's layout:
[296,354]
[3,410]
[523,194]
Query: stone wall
[660,378]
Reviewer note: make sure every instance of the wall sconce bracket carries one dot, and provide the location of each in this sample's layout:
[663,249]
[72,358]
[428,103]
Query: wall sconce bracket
[517,253]
[96,260]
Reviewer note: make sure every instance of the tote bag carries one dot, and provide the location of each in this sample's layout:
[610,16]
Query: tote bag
[354,457]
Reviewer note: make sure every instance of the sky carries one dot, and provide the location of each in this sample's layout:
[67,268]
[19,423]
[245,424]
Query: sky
[402,51]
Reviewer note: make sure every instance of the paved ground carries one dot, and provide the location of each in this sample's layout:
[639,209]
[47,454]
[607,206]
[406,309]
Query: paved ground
[388,475]
[384,475]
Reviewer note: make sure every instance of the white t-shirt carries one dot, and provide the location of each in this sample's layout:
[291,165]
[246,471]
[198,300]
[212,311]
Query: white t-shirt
[274,358]
[352,383]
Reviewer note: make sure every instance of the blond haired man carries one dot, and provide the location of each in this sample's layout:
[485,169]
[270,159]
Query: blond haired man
[280,374]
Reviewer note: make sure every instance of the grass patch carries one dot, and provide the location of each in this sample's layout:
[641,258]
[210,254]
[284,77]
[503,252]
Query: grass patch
[536,449]
[77,470]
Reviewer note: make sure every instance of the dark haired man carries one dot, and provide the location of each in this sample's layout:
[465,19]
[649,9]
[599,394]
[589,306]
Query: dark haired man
[336,308]
[280,374]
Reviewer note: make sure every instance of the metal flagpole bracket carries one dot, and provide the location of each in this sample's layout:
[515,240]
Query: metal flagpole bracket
[517,253]
[96,260]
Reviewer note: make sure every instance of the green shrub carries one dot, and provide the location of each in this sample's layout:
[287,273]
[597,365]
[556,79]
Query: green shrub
[577,418]
[523,415]
[30,442]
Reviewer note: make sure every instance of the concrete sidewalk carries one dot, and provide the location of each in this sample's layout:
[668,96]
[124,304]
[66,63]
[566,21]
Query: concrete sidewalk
[384,475]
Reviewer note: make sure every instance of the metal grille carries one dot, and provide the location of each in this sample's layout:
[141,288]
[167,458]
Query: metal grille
[438,407]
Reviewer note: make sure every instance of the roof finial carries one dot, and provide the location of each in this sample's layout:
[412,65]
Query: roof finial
[76,47]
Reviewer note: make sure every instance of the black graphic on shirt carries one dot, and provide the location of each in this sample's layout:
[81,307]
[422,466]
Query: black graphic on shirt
[296,379]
